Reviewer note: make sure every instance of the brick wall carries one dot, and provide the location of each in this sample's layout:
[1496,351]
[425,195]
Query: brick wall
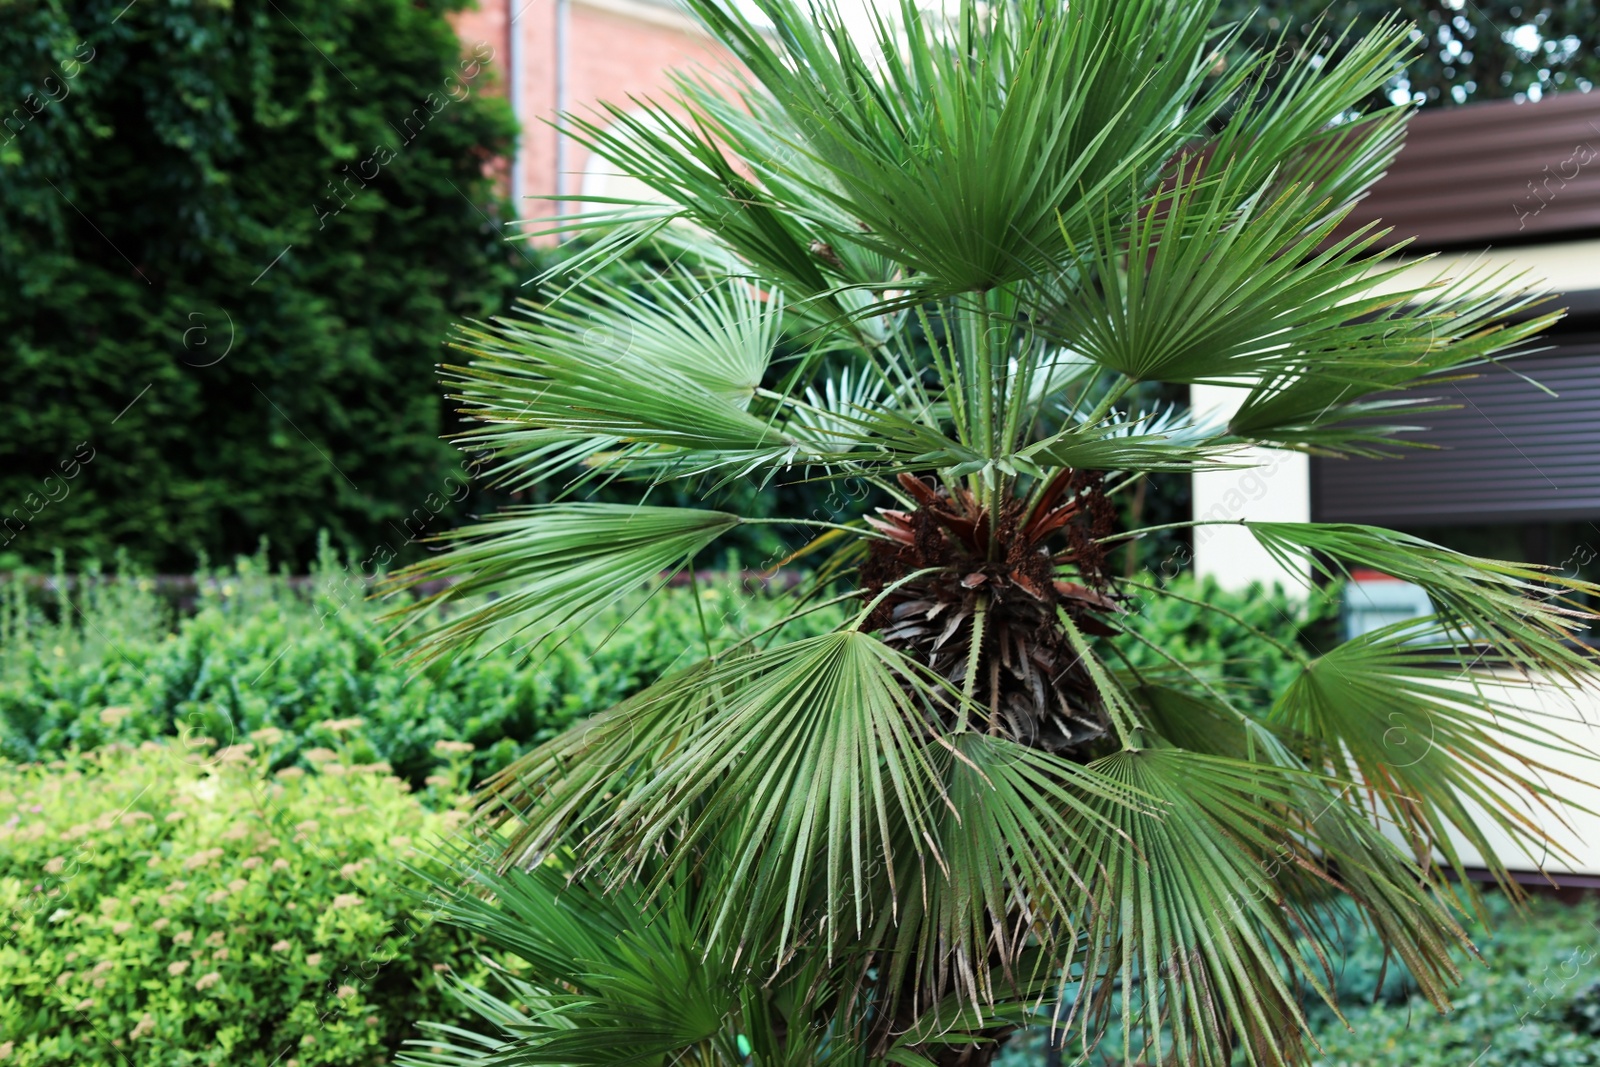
[615,49]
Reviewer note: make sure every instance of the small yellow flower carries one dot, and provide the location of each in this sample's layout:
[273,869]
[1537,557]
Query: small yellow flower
[113,715]
[280,864]
[120,928]
[206,981]
[289,773]
[215,938]
[280,946]
[217,897]
[314,959]
[251,863]
[6,1049]
[267,735]
[177,968]
[103,966]
[453,748]
[346,900]
[183,937]
[340,726]
[63,978]
[173,816]
[161,924]
[346,992]
[238,885]
[55,865]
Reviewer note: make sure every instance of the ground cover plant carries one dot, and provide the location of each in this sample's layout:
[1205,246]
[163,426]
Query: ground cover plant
[1530,999]
[942,264]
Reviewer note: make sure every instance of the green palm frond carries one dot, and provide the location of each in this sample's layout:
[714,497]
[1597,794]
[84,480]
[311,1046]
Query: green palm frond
[523,575]
[618,978]
[1205,939]
[676,371]
[1526,615]
[956,155]
[954,261]
[1441,757]
[1424,338]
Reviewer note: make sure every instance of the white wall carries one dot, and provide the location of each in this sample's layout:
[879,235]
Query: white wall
[1574,716]
[1278,490]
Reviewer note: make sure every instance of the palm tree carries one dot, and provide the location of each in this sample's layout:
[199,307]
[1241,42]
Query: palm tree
[942,263]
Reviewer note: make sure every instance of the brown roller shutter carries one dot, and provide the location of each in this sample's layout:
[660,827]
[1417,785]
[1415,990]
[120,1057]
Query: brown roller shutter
[1507,453]
[1494,172]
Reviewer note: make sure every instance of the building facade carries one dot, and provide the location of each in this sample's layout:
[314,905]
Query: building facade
[555,56]
[1501,186]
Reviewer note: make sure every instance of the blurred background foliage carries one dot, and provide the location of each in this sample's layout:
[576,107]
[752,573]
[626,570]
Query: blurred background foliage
[179,151]
[1466,50]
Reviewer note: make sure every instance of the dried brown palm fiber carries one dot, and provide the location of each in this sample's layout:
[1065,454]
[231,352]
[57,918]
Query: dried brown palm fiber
[1015,570]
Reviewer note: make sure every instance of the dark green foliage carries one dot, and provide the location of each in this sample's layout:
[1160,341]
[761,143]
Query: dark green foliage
[157,159]
[1480,50]
[257,654]
[1523,1005]
[1531,1001]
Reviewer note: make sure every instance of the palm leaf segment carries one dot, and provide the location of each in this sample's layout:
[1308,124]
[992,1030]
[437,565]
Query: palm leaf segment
[937,264]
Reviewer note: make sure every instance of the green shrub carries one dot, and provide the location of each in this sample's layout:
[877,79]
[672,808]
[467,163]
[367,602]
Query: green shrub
[256,653]
[160,913]
[1239,658]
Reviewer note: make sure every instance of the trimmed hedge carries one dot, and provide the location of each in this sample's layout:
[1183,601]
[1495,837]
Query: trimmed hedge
[104,662]
[160,913]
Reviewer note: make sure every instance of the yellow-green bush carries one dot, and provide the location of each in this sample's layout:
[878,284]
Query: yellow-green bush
[159,908]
